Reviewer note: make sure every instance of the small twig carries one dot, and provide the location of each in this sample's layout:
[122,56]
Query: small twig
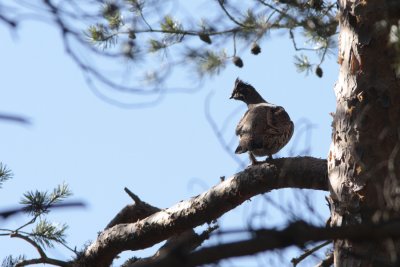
[220,2]
[309,252]
[277,10]
[323,55]
[133,195]
[144,20]
[26,224]
[300,48]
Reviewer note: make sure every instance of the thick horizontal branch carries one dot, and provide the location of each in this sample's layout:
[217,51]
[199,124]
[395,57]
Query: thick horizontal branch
[299,172]
[298,233]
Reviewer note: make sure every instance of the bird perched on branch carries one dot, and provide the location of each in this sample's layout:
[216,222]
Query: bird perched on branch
[265,128]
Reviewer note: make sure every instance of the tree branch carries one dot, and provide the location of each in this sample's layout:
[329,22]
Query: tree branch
[133,212]
[43,261]
[180,244]
[300,172]
[43,257]
[30,241]
[297,233]
[309,252]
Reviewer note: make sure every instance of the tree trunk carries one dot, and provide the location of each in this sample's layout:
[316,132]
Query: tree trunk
[364,157]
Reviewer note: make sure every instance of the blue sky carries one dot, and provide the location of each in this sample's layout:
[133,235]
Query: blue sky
[164,154]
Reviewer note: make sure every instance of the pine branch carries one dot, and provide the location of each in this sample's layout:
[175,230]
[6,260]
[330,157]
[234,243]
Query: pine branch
[300,172]
[43,257]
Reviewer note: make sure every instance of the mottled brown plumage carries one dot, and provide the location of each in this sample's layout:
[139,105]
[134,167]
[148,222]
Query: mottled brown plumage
[265,128]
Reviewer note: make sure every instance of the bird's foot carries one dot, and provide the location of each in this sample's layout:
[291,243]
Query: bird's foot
[253,160]
[269,159]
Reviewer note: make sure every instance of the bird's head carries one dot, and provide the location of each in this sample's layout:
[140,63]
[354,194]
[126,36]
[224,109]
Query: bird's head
[246,93]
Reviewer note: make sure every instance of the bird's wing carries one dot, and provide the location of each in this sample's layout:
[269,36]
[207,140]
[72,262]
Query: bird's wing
[262,119]
[242,123]
[261,123]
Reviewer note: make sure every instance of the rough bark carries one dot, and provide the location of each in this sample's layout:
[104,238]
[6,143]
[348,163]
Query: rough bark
[300,172]
[363,161]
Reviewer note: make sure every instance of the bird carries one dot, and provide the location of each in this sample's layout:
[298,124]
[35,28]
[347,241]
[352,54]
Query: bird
[265,128]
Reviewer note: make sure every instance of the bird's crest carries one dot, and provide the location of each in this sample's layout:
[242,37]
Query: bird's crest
[241,90]
[239,82]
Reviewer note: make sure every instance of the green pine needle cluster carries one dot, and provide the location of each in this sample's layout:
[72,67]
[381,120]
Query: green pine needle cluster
[11,261]
[142,29]
[5,174]
[112,14]
[155,45]
[169,24]
[38,203]
[45,233]
[302,63]
[211,63]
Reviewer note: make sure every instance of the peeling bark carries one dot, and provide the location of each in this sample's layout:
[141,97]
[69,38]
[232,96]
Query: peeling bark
[300,172]
[363,161]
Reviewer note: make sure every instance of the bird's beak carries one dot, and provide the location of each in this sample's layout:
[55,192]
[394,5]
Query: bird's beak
[231,97]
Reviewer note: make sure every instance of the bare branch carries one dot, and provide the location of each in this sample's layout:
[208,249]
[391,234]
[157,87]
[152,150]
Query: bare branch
[43,257]
[309,252]
[30,241]
[221,4]
[297,233]
[43,261]
[133,195]
[133,212]
[300,172]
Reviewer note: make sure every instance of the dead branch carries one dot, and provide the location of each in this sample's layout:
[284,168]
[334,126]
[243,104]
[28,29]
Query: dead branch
[133,212]
[299,172]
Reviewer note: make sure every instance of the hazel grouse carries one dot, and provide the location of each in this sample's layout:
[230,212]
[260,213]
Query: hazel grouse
[265,128]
